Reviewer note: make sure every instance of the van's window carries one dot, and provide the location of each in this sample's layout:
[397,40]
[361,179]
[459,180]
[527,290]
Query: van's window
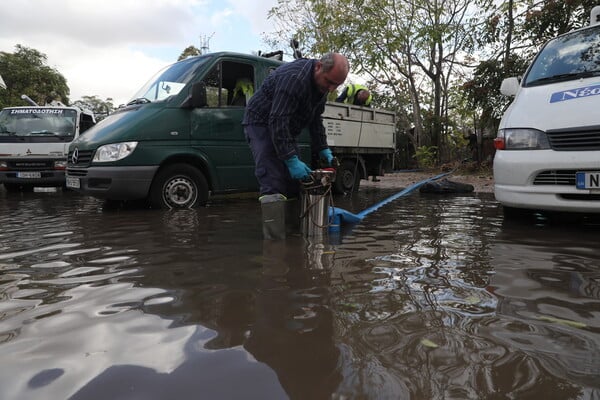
[229,84]
[170,80]
[571,56]
[214,91]
[85,123]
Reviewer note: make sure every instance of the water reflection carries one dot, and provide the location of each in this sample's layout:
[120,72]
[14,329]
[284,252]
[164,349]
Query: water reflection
[428,298]
[423,309]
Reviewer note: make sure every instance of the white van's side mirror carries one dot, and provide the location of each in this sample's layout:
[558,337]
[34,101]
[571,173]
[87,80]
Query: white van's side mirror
[509,86]
[595,16]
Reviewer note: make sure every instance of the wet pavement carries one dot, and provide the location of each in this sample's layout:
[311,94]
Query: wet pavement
[429,297]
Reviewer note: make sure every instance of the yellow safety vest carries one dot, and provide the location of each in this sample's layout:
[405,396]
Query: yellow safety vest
[243,87]
[353,90]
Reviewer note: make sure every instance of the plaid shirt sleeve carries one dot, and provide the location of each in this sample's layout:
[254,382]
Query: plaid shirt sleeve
[285,104]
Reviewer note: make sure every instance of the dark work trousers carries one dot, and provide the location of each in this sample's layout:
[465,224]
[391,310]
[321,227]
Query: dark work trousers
[272,173]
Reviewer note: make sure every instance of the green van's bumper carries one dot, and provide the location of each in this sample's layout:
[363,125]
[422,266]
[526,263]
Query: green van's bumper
[114,183]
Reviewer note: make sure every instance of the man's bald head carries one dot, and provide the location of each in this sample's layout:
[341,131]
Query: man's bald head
[331,71]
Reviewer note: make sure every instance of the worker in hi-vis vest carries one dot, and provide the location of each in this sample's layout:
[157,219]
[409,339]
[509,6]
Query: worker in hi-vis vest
[355,94]
[244,89]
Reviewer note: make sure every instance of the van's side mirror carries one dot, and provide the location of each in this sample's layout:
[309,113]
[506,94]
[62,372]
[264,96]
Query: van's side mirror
[197,97]
[509,86]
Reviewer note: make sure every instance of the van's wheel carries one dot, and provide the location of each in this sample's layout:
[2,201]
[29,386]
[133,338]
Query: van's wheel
[178,186]
[347,178]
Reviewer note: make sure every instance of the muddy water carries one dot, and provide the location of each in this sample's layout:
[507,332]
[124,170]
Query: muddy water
[427,298]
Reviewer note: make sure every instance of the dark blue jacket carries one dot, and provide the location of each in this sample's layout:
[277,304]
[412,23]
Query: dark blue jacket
[287,102]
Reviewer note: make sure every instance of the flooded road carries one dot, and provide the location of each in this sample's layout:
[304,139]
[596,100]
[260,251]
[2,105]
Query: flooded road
[430,297]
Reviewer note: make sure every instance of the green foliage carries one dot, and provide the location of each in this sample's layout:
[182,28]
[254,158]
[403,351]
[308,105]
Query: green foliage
[482,92]
[100,108]
[547,19]
[513,32]
[426,156]
[407,49]
[25,72]
[190,51]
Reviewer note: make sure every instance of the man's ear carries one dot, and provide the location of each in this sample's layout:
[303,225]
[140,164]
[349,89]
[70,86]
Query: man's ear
[318,66]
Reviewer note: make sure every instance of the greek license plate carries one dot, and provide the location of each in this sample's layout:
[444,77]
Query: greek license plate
[73,182]
[587,180]
[29,175]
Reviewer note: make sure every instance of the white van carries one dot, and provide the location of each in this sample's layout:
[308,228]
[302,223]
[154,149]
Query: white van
[34,141]
[548,143]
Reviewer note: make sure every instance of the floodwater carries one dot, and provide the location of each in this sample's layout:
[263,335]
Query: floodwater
[429,297]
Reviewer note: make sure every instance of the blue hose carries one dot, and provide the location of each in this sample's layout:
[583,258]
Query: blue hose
[339,216]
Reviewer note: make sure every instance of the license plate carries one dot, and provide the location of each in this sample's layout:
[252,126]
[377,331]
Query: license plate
[588,180]
[29,175]
[73,182]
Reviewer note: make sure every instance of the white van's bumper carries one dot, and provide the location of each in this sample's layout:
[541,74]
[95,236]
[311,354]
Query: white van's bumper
[515,172]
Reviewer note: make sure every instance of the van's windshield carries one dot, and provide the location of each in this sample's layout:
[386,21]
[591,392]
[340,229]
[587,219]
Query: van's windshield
[37,124]
[169,81]
[571,56]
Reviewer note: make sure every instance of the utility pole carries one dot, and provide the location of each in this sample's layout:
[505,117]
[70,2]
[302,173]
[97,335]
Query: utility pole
[204,43]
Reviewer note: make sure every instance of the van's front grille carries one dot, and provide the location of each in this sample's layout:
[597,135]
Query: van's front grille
[77,172]
[575,139]
[30,165]
[83,159]
[556,177]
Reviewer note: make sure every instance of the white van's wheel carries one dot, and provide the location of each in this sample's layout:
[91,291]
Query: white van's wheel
[178,186]
[347,178]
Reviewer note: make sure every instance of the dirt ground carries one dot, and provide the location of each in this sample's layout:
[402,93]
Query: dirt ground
[482,181]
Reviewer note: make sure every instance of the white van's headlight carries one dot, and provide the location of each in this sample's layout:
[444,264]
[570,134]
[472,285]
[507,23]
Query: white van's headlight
[524,139]
[114,152]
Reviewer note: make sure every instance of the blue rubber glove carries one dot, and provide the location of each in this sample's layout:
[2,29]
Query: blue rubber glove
[298,170]
[326,155]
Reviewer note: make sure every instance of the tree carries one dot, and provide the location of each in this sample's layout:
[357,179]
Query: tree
[190,51]
[100,108]
[544,20]
[513,32]
[410,48]
[25,72]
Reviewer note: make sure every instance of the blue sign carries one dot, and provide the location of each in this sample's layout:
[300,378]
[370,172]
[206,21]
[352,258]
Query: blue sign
[572,94]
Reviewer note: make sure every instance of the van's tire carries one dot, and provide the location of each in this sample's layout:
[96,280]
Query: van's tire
[178,186]
[347,178]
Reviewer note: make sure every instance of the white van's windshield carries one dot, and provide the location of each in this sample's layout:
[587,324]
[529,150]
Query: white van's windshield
[571,56]
[168,81]
[37,124]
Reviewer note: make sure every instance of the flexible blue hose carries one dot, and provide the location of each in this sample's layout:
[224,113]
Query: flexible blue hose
[338,216]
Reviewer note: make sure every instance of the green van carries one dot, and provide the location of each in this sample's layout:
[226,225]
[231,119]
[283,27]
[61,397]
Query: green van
[180,139]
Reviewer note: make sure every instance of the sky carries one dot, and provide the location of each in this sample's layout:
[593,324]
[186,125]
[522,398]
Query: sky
[110,48]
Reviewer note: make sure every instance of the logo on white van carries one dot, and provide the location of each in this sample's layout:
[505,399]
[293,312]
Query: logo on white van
[585,91]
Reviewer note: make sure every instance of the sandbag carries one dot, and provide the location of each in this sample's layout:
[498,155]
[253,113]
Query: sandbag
[446,186]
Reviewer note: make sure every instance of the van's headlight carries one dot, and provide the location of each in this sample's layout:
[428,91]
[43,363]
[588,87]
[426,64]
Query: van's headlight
[114,152]
[523,139]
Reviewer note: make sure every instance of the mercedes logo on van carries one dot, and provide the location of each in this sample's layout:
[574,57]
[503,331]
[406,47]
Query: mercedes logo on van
[75,156]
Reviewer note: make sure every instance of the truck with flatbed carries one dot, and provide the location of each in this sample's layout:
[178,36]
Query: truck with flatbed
[34,143]
[180,140]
